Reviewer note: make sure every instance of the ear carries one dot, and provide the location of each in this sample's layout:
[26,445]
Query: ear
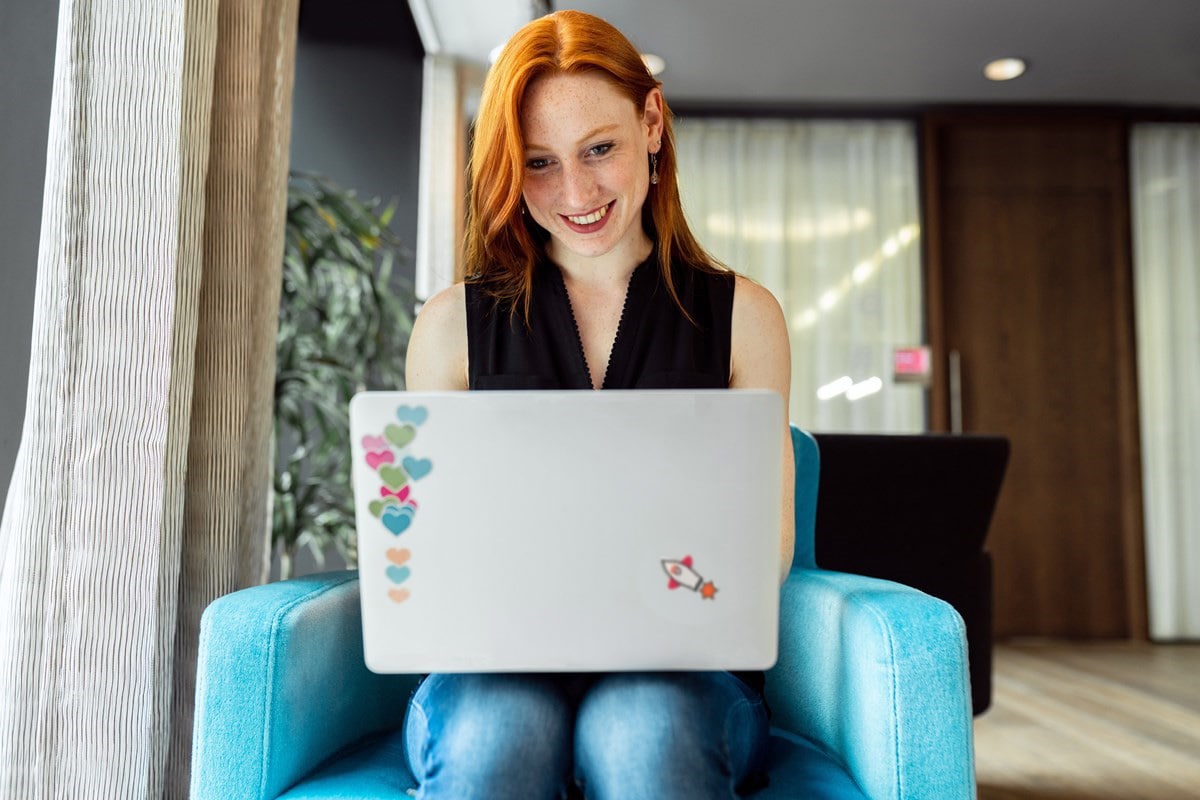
[652,119]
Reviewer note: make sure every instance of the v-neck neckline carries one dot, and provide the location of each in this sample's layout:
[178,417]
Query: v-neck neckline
[613,352]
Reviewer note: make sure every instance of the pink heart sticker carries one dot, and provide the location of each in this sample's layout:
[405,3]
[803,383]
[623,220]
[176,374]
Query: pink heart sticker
[374,443]
[399,555]
[398,595]
[377,459]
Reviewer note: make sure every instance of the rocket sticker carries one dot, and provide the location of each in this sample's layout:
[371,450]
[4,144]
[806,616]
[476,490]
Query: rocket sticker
[680,573]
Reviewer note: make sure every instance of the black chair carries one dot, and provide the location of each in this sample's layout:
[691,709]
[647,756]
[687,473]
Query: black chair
[915,509]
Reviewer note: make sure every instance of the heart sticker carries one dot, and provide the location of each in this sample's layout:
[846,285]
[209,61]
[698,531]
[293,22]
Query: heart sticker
[416,416]
[375,459]
[398,595]
[374,443]
[417,467]
[396,519]
[399,555]
[399,435]
[398,575]
[393,476]
[376,507]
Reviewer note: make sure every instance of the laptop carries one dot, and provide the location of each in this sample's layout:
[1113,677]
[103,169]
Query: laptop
[568,531]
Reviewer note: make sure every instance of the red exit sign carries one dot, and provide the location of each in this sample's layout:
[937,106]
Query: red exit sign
[912,365]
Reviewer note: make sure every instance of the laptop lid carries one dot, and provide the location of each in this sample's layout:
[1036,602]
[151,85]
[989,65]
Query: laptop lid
[568,530]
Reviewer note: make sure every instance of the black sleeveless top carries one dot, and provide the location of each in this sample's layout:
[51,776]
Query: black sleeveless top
[656,347]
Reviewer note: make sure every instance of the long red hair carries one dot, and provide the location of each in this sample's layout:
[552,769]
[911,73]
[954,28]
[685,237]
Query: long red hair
[503,246]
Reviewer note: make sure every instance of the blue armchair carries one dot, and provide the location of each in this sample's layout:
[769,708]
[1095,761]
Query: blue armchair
[870,695]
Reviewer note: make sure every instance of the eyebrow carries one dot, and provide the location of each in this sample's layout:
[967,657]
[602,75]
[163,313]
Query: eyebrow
[592,134]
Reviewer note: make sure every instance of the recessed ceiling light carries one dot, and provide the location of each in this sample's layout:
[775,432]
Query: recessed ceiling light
[654,63]
[1005,69]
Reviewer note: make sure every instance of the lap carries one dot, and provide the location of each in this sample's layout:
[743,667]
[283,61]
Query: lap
[615,722]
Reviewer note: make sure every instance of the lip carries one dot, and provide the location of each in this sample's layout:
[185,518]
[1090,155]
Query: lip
[593,226]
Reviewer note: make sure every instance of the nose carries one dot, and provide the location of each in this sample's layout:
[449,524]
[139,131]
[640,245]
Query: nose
[579,186]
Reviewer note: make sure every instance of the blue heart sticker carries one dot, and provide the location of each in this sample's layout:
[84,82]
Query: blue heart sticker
[414,415]
[396,519]
[398,575]
[417,468]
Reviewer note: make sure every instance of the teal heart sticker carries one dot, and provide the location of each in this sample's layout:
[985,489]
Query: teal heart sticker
[415,415]
[417,467]
[400,435]
[398,575]
[397,520]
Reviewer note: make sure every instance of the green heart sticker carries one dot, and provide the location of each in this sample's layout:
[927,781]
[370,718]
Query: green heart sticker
[395,477]
[376,507]
[400,435]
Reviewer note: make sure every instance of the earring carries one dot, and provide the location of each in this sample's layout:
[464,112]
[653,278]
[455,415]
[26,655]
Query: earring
[653,168]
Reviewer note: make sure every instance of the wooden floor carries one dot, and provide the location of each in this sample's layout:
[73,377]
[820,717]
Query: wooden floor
[1091,721]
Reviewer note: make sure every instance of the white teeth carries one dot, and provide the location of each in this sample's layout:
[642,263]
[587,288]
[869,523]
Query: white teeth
[595,216]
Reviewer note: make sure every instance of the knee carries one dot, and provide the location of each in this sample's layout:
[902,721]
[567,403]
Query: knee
[490,736]
[665,733]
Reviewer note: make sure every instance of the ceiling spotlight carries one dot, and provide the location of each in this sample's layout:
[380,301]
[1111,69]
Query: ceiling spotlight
[1004,69]
[654,63]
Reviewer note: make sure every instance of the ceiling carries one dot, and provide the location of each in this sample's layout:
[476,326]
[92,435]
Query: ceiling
[871,53]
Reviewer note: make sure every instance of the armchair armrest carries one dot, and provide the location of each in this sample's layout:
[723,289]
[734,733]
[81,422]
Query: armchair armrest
[876,673]
[281,686]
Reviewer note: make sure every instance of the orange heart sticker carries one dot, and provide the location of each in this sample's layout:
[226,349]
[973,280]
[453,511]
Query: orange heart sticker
[398,595]
[398,555]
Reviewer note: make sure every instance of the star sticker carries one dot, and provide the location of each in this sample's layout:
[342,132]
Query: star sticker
[708,591]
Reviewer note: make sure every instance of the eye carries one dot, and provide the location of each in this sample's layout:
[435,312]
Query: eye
[600,149]
[537,164]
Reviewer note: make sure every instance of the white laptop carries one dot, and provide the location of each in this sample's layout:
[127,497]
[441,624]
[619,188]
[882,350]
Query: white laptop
[573,531]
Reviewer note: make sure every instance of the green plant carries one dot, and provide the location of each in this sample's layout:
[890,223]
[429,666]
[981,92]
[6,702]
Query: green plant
[344,323]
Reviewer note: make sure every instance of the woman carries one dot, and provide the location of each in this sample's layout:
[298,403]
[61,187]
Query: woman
[583,274]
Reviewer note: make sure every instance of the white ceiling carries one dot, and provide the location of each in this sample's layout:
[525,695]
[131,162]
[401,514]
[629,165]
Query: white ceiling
[879,52]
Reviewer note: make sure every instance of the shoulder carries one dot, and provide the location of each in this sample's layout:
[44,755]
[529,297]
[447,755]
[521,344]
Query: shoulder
[761,352]
[754,305]
[437,350]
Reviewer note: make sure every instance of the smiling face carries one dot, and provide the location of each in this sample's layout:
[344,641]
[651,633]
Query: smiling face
[587,168]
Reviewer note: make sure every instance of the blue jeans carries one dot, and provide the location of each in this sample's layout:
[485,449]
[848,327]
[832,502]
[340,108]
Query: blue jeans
[658,736]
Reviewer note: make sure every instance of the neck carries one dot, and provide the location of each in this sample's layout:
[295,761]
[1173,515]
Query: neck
[614,267]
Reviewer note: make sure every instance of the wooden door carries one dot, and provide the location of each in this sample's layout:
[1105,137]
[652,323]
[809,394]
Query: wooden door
[1029,279]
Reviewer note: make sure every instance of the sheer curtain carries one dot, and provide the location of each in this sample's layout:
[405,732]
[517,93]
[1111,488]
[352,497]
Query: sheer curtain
[1165,182]
[825,214]
[140,488]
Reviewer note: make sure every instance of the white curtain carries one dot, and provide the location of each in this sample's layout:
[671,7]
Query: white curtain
[140,488]
[825,214]
[1165,183]
[441,186]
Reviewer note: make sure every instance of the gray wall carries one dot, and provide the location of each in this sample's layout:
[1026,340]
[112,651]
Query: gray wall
[357,108]
[357,119]
[27,33]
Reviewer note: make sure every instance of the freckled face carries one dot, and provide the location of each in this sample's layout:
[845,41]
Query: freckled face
[586,165]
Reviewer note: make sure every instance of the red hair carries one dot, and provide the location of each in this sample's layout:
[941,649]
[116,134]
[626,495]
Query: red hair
[502,245]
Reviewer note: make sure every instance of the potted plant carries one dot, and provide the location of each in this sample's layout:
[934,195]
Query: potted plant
[344,324]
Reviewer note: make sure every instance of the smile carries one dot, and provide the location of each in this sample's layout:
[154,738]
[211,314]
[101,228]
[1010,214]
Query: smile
[592,218]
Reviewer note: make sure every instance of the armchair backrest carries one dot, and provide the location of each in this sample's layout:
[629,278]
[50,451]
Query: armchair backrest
[808,470]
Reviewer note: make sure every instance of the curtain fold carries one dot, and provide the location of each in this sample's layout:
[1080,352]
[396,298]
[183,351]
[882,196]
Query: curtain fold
[441,198]
[140,488]
[1165,183]
[825,214]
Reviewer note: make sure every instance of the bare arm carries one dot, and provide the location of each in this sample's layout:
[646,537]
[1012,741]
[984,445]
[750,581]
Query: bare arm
[762,359]
[437,349]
